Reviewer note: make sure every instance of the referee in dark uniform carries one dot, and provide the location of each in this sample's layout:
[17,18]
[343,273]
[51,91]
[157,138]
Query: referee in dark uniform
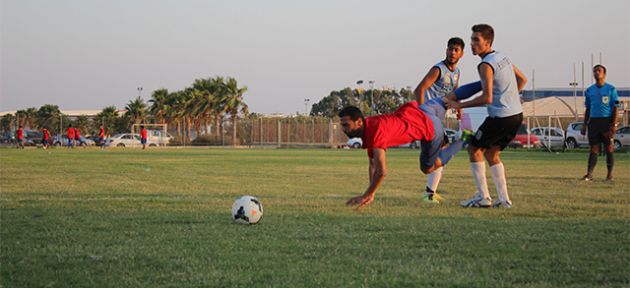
[601,100]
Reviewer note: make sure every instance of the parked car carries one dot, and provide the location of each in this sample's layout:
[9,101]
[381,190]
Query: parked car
[63,141]
[355,143]
[128,140]
[520,140]
[622,138]
[574,139]
[552,138]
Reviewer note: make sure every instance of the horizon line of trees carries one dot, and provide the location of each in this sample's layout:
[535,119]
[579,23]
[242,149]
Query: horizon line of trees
[207,101]
[371,102]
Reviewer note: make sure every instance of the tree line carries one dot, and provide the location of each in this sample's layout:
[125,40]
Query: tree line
[371,102]
[207,101]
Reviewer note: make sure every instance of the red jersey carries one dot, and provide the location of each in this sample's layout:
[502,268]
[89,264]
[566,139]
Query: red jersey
[46,135]
[77,135]
[102,133]
[70,132]
[143,134]
[405,125]
[19,134]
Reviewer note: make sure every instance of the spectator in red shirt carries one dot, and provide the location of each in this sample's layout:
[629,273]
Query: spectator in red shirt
[19,136]
[143,137]
[70,133]
[45,138]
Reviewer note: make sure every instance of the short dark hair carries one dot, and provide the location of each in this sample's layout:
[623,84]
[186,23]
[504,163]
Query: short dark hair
[141,126]
[599,66]
[456,41]
[69,125]
[486,31]
[352,111]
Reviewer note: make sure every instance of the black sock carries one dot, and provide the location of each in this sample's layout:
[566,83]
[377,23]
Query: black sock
[592,160]
[429,191]
[610,162]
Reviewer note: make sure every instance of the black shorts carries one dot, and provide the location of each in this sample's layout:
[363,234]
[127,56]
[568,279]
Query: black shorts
[497,131]
[599,131]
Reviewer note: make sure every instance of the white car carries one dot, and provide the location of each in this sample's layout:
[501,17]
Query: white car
[128,140]
[622,138]
[552,138]
[355,143]
[574,138]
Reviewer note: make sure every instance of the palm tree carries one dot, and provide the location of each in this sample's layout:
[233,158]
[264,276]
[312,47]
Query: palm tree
[48,116]
[234,103]
[7,122]
[31,117]
[159,103]
[136,110]
[107,118]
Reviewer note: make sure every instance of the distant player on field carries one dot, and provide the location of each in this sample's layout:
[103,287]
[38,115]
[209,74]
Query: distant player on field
[143,137]
[19,137]
[101,137]
[45,138]
[601,101]
[70,134]
[501,85]
[441,80]
[407,124]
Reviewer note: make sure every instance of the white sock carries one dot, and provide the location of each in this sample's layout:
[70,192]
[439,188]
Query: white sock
[498,175]
[433,179]
[479,174]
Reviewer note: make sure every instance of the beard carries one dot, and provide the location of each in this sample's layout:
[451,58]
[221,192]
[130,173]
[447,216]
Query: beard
[354,134]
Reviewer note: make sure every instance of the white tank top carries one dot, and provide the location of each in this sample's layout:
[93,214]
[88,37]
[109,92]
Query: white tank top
[505,98]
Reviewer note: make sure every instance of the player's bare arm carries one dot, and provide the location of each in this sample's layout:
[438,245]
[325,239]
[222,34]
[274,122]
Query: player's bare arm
[376,178]
[428,80]
[521,80]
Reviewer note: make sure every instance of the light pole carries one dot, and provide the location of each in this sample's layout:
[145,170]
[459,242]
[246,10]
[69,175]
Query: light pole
[372,96]
[140,91]
[574,84]
[306,106]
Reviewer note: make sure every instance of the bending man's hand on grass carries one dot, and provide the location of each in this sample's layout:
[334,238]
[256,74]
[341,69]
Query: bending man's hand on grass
[361,200]
[377,173]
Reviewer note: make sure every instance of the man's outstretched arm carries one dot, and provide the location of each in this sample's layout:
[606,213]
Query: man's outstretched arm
[378,171]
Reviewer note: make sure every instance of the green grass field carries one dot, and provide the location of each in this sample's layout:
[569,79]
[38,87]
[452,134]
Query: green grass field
[161,218]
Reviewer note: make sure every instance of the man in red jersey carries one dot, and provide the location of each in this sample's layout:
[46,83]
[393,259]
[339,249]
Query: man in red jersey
[45,138]
[409,123]
[70,133]
[19,136]
[143,137]
[101,137]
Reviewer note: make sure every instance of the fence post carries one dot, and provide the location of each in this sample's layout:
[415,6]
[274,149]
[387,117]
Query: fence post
[331,134]
[279,130]
[261,131]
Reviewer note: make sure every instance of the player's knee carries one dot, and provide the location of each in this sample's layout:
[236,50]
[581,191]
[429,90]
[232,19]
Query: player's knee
[426,169]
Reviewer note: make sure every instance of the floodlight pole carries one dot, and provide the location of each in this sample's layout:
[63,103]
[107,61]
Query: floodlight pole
[372,96]
[574,85]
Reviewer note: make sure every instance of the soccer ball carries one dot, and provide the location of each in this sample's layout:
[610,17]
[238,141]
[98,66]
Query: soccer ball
[247,210]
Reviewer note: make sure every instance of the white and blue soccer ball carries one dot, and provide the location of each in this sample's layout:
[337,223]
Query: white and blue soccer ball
[247,210]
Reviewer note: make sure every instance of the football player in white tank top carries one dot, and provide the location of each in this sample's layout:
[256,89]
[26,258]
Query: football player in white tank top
[501,84]
[441,79]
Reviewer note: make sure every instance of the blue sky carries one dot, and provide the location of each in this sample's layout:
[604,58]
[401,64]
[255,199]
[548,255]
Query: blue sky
[90,54]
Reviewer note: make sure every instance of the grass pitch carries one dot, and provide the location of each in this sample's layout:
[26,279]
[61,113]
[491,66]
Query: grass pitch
[161,218]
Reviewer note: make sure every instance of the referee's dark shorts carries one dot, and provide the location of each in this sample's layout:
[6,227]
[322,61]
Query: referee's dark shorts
[599,131]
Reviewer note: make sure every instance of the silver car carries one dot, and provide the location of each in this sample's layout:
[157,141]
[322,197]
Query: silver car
[552,138]
[575,139]
[622,138]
